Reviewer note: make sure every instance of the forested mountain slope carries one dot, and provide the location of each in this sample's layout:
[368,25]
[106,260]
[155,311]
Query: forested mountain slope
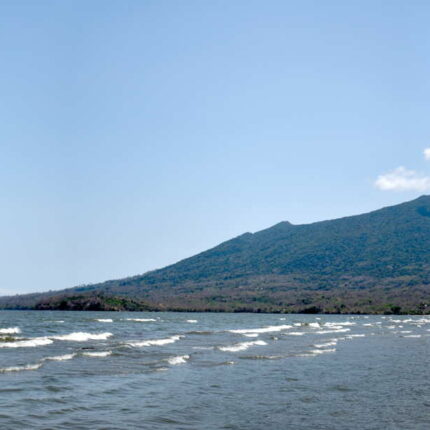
[375,262]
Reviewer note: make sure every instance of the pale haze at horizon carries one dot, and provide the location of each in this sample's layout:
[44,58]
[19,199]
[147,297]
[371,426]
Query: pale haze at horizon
[138,133]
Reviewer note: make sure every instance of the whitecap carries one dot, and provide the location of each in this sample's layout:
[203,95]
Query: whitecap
[340,330]
[241,346]
[342,323]
[10,330]
[20,368]
[82,336]
[327,344]
[251,334]
[180,359]
[412,335]
[105,320]
[322,351]
[60,357]
[30,343]
[156,342]
[100,354]
[191,321]
[141,319]
[314,325]
[294,333]
[352,336]
[268,329]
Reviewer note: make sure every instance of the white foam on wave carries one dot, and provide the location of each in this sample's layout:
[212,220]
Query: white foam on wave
[352,336]
[268,329]
[10,330]
[251,334]
[412,335]
[342,323]
[30,343]
[326,344]
[82,336]
[339,330]
[180,359]
[99,354]
[422,321]
[406,331]
[105,320]
[322,351]
[156,342]
[367,325]
[60,357]
[191,321]
[45,340]
[141,319]
[306,324]
[242,346]
[20,368]
[295,333]
[314,325]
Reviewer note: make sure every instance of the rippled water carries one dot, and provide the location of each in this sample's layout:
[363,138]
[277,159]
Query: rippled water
[89,370]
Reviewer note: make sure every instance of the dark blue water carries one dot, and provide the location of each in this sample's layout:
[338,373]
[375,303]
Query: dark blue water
[88,370]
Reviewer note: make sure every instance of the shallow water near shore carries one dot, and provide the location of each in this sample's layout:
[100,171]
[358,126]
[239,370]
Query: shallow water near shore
[92,370]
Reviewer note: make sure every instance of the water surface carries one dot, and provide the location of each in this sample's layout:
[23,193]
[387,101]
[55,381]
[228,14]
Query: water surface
[91,370]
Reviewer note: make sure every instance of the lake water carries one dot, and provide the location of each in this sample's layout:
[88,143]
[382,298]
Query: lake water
[91,370]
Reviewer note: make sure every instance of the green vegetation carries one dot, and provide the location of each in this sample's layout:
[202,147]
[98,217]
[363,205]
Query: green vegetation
[91,302]
[373,263]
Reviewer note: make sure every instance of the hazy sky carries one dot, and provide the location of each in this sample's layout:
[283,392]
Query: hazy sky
[136,133]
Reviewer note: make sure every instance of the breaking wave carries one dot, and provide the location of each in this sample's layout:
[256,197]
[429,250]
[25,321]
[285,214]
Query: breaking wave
[326,344]
[269,329]
[60,357]
[156,342]
[10,330]
[100,354]
[338,330]
[180,359]
[241,346]
[82,336]
[20,368]
[322,351]
[30,343]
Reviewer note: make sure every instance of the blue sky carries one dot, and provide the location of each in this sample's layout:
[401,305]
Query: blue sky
[137,133]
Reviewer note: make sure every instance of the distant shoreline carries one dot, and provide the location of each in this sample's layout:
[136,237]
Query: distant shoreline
[214,311]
